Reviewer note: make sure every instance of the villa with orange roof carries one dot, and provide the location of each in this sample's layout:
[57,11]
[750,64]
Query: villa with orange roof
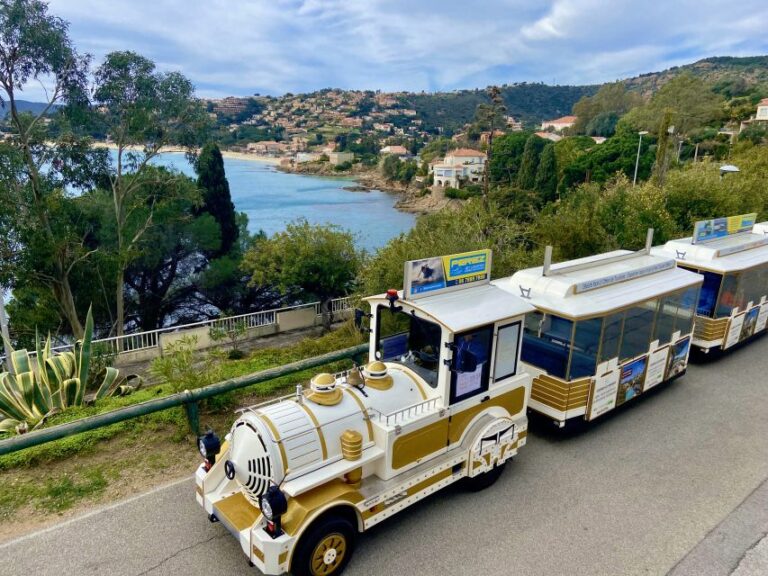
[559,124]
[458,167]
[760,116]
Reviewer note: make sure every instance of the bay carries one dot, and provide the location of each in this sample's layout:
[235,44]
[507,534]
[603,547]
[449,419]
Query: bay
[272,199]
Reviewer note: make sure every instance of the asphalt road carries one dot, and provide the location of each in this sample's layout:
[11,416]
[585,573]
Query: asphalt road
[630,496]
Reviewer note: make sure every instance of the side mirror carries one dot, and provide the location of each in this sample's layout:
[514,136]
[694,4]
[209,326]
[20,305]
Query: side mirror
[466,362]
[359,317]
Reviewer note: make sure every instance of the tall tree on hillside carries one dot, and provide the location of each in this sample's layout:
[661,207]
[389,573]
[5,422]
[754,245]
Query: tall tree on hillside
[546,175]
[143,110]
[35,46]
[217,200]
[490,117]
[597,115]
[526,177]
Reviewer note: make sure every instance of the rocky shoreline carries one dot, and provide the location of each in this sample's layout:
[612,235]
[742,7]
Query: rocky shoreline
[411,199]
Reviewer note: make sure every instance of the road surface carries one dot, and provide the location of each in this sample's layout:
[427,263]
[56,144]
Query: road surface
[645,492]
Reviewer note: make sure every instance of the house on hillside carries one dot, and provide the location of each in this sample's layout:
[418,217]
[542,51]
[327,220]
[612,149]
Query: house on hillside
[399,151]
[336,158]
[761,115]
[549,136]
[459,167]
[559,124]
[267,148]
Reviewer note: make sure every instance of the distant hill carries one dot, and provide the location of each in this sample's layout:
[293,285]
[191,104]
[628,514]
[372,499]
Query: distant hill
[23,106]
[531,103]
[725,73]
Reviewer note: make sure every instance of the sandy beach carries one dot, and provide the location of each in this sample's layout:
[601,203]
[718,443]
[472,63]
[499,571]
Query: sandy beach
[225,153]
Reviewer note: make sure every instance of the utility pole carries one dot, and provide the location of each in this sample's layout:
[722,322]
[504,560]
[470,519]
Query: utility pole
[4,330]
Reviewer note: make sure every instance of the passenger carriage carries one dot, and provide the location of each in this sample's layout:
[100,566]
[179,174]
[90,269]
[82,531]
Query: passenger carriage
[606,329]
[732,256]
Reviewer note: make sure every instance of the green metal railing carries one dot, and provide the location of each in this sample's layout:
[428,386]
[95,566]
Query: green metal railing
[189,399]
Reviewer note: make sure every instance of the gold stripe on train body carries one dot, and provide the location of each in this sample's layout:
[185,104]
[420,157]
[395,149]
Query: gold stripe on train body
[710,328]
[559,394]
[319,429]
[237,511]
[414,446]
[512,401]
[335,492]
[363,409]
[273,429]
[258,553]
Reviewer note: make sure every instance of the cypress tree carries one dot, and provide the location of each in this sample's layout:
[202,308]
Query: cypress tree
[546,175]
[526,176]
[217,200]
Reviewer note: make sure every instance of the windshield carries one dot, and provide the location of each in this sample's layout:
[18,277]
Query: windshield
[411,341]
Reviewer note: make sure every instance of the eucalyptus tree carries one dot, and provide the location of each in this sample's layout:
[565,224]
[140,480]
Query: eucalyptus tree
[142,110]
[35,47]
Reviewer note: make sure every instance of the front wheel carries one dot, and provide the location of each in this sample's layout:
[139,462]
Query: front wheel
[484,480]
[325,549]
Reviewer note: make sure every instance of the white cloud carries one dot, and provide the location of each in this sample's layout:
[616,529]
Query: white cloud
[274,46]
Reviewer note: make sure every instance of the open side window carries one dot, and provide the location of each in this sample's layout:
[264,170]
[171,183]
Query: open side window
[471,364]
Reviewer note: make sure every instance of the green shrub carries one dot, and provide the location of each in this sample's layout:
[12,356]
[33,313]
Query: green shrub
[469,191]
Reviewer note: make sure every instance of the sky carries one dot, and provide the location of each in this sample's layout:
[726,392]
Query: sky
[243,47]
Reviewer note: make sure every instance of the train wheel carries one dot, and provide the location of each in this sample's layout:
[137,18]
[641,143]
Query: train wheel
[325,549]
[483,481]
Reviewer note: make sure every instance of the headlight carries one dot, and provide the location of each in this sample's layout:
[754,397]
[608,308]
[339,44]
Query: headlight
[266,508]
[273,505]
[209,446]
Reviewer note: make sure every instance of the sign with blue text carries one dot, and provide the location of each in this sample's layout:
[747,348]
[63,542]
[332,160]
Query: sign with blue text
[430,276]
[706,230]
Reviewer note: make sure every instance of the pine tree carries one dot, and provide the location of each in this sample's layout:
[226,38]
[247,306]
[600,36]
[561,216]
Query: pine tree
[526,176]
[546,175]
[217,200]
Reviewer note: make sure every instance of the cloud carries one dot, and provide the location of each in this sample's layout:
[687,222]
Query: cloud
[276,46]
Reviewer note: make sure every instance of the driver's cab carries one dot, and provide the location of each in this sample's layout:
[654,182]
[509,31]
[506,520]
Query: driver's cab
[462,346]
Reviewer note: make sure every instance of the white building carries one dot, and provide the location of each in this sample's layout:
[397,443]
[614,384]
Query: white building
[559,124]
[459,167]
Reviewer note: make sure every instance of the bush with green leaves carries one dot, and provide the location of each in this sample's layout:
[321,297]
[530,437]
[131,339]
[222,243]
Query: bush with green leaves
[53,382]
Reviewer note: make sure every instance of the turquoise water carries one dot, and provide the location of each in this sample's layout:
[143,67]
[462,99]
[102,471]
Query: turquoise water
[271,199]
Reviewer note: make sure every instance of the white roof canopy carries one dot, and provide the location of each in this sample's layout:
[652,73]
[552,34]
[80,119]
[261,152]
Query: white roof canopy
[596,285]
[728,254]
[464,309]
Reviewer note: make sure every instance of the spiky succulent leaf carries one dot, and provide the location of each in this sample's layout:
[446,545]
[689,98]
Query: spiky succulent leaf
[20,361]
[107,388]
[84,359]
[70,390]
[9,425]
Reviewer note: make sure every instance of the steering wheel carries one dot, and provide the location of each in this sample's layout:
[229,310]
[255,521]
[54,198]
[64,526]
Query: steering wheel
[426,357]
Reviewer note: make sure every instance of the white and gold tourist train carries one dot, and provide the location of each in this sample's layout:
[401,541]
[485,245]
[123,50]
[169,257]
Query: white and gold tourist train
[442,398]
[731,254]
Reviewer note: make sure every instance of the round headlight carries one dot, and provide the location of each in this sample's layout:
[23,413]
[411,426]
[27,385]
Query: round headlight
[201,447]
[266,508]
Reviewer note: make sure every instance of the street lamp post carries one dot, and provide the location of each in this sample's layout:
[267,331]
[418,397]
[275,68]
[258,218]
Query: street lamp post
[637,160]
[728,169]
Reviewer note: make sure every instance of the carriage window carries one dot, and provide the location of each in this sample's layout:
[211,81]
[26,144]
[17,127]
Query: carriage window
[507,347]
[638,324]
[612,336]
[586,341]
[728,295]
[547,342]
[709,291]
[686,309]
[665,319]
[466,381]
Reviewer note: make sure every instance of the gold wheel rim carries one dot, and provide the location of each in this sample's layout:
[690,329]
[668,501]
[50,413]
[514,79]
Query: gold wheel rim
[329,554]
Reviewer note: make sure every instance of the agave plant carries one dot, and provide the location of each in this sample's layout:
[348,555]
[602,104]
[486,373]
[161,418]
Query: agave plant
[54,383]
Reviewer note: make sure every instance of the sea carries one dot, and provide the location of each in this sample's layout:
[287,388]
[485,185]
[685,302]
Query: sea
[272,199]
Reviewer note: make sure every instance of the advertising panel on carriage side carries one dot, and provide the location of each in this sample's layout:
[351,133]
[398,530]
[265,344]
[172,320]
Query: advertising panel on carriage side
[706,230]
[430,276]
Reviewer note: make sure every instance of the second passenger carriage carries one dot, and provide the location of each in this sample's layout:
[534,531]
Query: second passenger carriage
[732,256]
[607,328]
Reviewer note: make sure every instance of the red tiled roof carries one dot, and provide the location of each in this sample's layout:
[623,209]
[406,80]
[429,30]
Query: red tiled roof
[563,120]
[763,102]
[466,152]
